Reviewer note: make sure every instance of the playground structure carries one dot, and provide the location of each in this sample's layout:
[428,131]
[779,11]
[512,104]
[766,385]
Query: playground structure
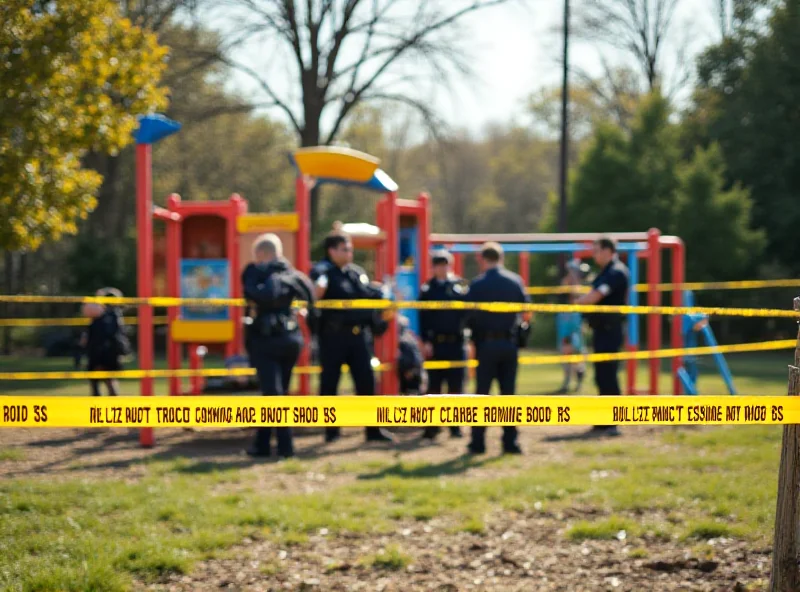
[634,247]
[400,244]
[207,245]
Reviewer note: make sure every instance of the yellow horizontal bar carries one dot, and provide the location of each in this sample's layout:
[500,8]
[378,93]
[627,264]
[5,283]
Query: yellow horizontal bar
[695,286]
[183,331]
[267,223]
[539,360]
[71,322]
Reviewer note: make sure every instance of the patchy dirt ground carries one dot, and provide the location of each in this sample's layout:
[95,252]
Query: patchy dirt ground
[528,552]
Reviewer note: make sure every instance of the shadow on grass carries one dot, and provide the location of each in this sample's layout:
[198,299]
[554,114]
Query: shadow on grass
[194,451]
[454,466]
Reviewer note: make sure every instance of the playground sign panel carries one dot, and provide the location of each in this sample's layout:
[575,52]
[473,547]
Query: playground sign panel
[205,278]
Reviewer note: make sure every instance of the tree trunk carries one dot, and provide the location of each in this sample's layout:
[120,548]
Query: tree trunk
[311,137]
[785,575]
[9,308]
[104,221]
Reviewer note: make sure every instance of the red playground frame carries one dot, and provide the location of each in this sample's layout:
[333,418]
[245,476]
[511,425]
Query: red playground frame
[648,246]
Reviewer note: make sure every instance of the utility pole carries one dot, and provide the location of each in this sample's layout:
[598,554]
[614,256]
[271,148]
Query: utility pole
[563,165]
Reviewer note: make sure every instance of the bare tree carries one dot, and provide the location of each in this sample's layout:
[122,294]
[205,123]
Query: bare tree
[722,15]
[344,53]
[616,92]
[640,29]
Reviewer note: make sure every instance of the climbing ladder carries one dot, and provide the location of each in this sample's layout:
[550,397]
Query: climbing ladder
[695,325]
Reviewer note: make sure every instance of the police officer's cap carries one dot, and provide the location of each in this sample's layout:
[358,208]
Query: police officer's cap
[442,257]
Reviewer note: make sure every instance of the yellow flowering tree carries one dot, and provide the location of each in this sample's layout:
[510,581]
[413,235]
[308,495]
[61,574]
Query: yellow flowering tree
[73,76]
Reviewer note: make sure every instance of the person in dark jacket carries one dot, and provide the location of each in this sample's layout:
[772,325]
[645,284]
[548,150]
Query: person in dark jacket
[497,336]
[442,332]
[104,341]
[410,370]
[273,337]
[345,336]
[609,288]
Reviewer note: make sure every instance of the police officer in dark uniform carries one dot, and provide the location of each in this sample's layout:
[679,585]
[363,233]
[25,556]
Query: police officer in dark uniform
[105,340]
[497,336]
[610,287]
[410,371]
[345,336]
[272,337]
[442,332]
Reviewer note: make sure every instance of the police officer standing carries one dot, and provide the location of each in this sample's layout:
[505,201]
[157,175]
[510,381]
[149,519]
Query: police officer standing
[345,336]
[442,332]
[497,336]
[273,338]
[610,287]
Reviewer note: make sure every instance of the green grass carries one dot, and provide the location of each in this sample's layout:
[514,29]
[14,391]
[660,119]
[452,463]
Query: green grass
[11,453]
[473,526]
[754,374]
[391,558]
[706,529]
[685,484]
[78,535]
[603,530]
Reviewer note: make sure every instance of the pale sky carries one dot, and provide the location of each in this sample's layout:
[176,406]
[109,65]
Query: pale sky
[514,50]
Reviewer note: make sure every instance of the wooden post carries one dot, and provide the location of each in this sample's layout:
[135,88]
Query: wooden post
[785,575]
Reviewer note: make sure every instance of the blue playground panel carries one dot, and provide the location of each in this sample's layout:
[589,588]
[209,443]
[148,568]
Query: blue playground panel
[688,374]
[540,247]
[205,278]
[407,280]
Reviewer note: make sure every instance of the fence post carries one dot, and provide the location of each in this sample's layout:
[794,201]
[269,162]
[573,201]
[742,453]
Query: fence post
[785,575]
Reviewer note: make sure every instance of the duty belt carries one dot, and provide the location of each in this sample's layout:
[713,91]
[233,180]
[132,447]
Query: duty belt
[273,325]
[495,336]
[340,328]
[448,338]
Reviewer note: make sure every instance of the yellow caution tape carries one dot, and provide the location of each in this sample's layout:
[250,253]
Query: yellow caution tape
[71,322]
[737,285]
[497,307]
[164,373]
[695,286]
[508,307]
[660,353]
[418,411]
[540,360]
[157,301]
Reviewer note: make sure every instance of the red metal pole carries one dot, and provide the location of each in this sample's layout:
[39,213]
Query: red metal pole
[525,268]
[424,237]
[172,259]
[654,299]
[678,278]
[381,254]
[194,364]
[393,255]
[232,247]
[303,263]
[144,275]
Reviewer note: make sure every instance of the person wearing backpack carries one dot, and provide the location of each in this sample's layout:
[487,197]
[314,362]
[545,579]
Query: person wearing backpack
[106,342]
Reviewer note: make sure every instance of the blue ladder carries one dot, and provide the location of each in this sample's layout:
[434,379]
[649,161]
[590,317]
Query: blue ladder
[694,324]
